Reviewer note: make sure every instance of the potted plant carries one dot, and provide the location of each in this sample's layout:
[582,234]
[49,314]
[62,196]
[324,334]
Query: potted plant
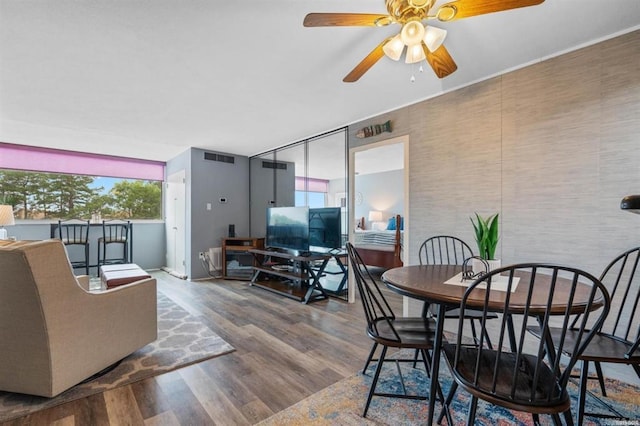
[486,233]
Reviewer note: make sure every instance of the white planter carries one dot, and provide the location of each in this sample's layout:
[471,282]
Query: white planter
[478,265]
[494,264]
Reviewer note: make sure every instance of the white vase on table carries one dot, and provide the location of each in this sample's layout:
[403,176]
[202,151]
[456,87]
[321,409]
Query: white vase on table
[478,265]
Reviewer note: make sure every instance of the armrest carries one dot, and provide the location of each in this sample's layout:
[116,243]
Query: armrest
[83,281]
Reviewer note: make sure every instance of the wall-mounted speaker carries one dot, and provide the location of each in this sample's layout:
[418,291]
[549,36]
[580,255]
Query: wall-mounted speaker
[232,230]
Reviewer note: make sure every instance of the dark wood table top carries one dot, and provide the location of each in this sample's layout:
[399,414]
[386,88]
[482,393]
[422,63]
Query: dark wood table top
[427,282]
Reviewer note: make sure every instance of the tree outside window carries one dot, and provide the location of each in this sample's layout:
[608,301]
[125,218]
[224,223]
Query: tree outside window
[48,196]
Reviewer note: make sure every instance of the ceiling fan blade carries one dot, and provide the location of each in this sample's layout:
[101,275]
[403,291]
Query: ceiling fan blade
[345,19]
[466,8]
[440,60]
[364,65]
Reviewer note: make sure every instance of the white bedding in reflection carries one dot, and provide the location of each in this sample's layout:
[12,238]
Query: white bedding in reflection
[377,240]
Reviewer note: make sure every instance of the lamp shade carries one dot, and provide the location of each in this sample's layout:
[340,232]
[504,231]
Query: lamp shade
[434,37]
[412,33]
[394,48]
[375,216]
[415,54]
[6,215]
[631,203]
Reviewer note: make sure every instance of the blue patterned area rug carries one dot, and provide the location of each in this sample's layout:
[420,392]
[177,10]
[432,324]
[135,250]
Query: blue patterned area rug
[182,340]
[343,402]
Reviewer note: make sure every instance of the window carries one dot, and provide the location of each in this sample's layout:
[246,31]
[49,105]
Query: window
[49,184]
[48,196]
[311,199]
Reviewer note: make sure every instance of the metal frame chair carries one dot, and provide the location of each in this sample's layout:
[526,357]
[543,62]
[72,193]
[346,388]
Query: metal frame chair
[75,232]
[618,339]
[114,231]
[530,377]
[449,250]
[387,330]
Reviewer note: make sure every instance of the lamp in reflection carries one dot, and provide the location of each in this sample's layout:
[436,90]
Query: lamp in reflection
[375,216]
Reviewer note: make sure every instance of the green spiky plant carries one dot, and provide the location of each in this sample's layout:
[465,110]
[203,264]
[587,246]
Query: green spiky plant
[486,230]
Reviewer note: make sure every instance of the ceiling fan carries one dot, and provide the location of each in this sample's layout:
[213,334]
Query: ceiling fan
[421,40]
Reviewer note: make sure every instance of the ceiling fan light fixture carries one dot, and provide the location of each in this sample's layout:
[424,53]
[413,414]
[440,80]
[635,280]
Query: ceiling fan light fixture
[415,54]
[418,3]
[394,48]
[434,37]
[412,33]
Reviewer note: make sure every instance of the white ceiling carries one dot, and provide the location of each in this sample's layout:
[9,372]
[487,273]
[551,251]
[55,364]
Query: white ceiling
[151,78]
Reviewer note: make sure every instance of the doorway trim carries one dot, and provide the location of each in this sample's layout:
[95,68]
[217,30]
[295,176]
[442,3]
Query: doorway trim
[404,139]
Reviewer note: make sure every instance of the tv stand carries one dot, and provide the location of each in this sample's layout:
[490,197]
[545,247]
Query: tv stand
[293,276]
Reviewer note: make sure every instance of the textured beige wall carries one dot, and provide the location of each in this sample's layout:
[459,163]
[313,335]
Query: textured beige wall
[553,147]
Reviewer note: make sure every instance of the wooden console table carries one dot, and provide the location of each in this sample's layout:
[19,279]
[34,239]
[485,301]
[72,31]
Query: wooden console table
[296,277]
[237,262]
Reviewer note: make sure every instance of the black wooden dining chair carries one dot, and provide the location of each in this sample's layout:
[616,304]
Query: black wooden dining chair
[533,376]
[618,339]
[389,331]
[75,232]
[449,250]
[114,232]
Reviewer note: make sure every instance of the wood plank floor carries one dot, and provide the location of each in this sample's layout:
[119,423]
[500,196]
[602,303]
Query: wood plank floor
[285,351]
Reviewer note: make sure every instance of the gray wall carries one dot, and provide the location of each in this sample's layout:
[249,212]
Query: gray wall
[209,182]
[206,183]
[552,147]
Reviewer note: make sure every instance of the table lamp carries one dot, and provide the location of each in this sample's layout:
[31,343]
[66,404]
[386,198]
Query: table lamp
[6,218]
[631,203]
[375,216]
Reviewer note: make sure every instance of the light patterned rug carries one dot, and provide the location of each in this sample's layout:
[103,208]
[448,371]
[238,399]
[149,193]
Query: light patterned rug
[182,340]
[343,402]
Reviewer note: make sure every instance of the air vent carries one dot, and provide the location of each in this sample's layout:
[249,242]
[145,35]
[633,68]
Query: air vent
[219,157]
[274,165]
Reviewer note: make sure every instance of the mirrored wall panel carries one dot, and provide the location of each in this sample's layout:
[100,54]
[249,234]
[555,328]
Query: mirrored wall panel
[311,173]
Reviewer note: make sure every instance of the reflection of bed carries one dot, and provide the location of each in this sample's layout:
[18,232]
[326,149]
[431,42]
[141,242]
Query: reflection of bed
[379,248]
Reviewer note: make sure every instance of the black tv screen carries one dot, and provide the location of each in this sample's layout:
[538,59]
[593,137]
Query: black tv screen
[325,229]
[288,228]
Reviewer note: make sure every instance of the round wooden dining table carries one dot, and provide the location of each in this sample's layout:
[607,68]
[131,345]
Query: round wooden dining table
[427,283]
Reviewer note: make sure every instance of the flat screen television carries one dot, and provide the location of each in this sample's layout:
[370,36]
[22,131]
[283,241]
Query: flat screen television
[288,228]
[325,229]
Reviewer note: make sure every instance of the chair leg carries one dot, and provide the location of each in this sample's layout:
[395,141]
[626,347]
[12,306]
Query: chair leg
[584,375]
[600,378]
[568,418]
[471,417]
[536,419]
[366,364]
[98,262]
[372,389]
[404,389]
[425,313]
[556,419]
[86,258]
[415,358]
[445,407]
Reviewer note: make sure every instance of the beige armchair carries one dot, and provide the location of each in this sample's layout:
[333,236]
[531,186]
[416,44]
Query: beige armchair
[54,332]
